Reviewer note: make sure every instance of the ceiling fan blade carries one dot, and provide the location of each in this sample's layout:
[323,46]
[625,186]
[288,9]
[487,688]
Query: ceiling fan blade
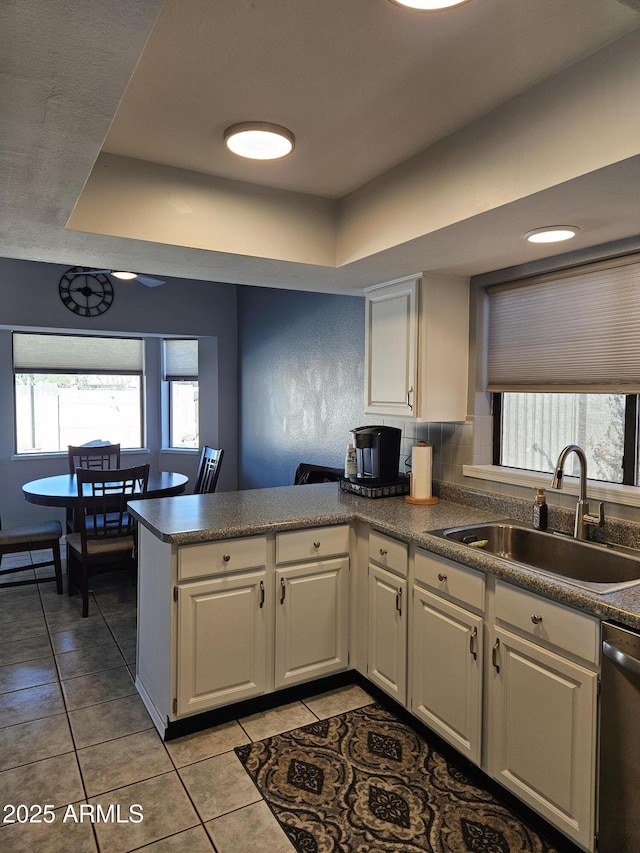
[148,281]
[73,272]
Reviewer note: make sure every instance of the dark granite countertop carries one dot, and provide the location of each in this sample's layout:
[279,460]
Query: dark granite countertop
[191,519]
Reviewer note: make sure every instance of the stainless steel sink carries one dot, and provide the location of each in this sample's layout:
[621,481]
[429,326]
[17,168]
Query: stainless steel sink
[596,567]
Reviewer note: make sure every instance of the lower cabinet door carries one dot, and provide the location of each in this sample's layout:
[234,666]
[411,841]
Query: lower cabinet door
[446,677]
[542,730]
[221,641]
[311,621]
[387,640]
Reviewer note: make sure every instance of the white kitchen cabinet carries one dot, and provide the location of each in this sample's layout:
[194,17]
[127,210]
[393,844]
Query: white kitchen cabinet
[387,615]
[222,641]
[446,690]
[203,625]
[229,556]
[311,621]
[391,348]
[387,641]
[447,651]
[220,623]
[311,609]
[543,710]
[416,348]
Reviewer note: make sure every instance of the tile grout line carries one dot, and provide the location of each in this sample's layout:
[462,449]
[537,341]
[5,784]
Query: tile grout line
[98,845]
[65,712]
[64,702]
[194,806]
[59,681]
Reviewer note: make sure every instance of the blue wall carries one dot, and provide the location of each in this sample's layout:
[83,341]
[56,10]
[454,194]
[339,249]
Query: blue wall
[301,385]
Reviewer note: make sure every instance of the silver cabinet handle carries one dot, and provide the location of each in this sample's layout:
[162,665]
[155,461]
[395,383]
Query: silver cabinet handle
[441,577]
[409,392]
[283,590]
[473,644]
[399,601]
[383,552]
[494,655]
[261,594]
[316,544]
[536,619]
[226,557]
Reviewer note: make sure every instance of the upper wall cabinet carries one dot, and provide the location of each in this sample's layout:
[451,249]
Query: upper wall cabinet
[391,348]
[417,348]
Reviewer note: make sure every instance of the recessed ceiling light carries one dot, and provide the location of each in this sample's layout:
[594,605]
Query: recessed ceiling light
[259,140]
[429,5]
[551,234]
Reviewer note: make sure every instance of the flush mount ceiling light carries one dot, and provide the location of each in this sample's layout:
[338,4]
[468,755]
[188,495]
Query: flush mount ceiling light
[125,276]
[429,5]
[259,140]
[551,234]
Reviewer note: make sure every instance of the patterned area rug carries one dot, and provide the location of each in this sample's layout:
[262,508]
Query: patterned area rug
[364,782]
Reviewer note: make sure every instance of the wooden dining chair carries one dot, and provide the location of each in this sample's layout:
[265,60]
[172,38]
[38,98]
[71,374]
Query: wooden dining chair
[43,536]
[106,534]
[208,471]
[97,457]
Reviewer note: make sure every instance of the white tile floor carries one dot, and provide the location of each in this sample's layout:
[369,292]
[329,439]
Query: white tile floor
[73,732]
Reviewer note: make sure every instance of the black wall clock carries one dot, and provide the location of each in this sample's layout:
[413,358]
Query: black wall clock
[86,292]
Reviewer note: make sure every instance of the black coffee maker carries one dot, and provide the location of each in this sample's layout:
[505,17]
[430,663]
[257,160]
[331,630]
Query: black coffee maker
[377,454]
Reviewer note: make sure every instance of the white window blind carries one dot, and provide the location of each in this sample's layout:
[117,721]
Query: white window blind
[578,330]
[38,353]
[180,360]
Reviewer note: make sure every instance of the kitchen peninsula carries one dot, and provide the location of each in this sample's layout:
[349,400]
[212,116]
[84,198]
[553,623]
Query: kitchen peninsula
[196,519]
[244,594]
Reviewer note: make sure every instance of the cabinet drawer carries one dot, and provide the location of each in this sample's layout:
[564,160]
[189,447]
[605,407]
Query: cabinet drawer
[452,580]
[312,544]
[388,553]
[214,558]
[554,623]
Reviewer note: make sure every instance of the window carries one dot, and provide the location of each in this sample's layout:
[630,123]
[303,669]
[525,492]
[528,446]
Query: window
[564,366]
[58,403]
[533,429]
[180,358]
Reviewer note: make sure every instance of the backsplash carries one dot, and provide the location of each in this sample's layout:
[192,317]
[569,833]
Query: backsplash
[452,445]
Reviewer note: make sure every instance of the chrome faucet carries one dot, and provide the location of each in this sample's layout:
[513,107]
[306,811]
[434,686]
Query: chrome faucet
[583,517]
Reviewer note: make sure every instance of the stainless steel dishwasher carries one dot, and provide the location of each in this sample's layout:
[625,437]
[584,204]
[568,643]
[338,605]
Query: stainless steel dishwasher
[619,811]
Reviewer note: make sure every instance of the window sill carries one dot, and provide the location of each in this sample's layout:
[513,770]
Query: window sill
[596,489]
[62,454]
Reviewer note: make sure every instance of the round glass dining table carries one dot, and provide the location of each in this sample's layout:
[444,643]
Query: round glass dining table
[61,490]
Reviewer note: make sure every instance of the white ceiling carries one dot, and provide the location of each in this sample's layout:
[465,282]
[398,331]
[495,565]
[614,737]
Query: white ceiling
[362,84]
[423,141]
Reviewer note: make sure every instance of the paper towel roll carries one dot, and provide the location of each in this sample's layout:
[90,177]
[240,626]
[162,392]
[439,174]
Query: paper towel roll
[421,464]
